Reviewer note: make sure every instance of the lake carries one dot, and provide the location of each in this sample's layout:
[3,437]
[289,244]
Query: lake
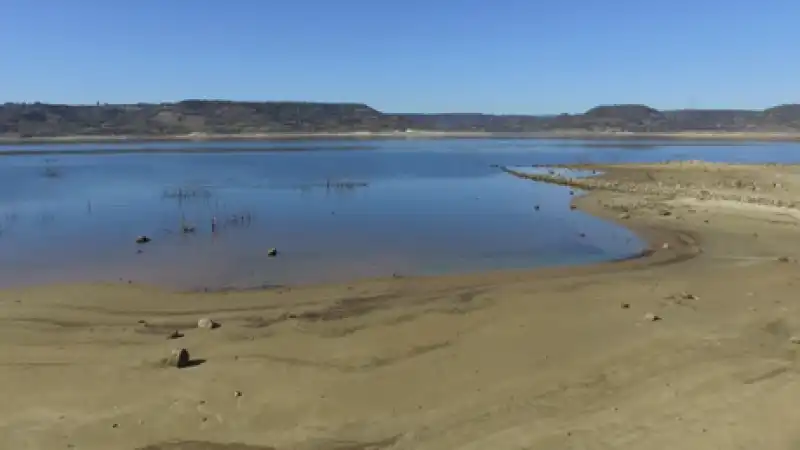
[334,210]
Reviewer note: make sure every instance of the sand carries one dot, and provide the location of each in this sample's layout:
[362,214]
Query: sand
[548,359]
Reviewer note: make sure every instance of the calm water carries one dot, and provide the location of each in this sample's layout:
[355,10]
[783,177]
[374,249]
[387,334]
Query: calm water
[338,211]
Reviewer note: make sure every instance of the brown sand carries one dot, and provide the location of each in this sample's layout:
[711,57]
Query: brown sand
[548,359]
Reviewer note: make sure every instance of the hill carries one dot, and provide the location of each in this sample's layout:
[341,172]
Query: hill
[230,117]
[190,116]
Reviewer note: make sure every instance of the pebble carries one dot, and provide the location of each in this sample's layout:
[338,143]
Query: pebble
[175,335]
[207,323]
[650,317]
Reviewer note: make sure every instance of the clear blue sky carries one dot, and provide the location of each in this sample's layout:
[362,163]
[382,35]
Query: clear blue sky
[494,56]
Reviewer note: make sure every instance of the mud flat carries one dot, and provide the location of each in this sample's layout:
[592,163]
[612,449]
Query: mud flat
[693,345]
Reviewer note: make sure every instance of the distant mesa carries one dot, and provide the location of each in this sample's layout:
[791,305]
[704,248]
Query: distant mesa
[198,118]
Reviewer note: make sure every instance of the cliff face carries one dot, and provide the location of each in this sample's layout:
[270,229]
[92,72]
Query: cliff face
[228,117]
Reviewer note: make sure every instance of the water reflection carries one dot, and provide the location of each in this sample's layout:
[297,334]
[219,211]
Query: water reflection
[409,207]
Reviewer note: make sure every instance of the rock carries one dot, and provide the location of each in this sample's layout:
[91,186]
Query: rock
[665,213]
[665,246]
[142,239]
[237,393]
[786,259]
[536,208]
[624,216]
[625,305]
[795,339]
[572,207]
[207,323]
[179,358]
[650,317]
[272,252]
[175,335]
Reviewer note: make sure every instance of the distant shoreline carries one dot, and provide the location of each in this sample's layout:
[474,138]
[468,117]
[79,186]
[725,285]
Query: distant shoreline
[422,134]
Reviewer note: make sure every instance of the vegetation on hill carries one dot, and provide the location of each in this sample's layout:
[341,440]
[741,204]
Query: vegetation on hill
[230,117]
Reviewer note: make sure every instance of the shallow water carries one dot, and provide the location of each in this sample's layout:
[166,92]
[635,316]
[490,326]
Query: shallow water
[397,207]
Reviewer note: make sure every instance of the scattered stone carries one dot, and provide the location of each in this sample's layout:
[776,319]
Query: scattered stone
[175,335]
[207,323]
[795,339]
[665,213]
[625,305]
[116,425]
[179,358]
[237,394]
[142,239]
[142,321]
[650,317]
[665,246]
[272,252]
[786,259]
[624,216]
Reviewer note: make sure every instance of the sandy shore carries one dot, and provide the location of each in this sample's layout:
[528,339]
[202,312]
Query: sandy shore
[754,136]
[548,359]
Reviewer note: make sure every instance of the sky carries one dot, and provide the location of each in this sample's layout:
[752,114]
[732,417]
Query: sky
[490,56]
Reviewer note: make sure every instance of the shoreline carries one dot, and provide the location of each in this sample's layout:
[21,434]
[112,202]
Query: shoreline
[724,136]
[689,347]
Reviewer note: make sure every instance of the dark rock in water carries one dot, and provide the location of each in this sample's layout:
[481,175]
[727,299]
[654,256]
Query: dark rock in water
[179,358]
[536,208]
[272,252]
[573,207]
[187,229]
[142,240]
